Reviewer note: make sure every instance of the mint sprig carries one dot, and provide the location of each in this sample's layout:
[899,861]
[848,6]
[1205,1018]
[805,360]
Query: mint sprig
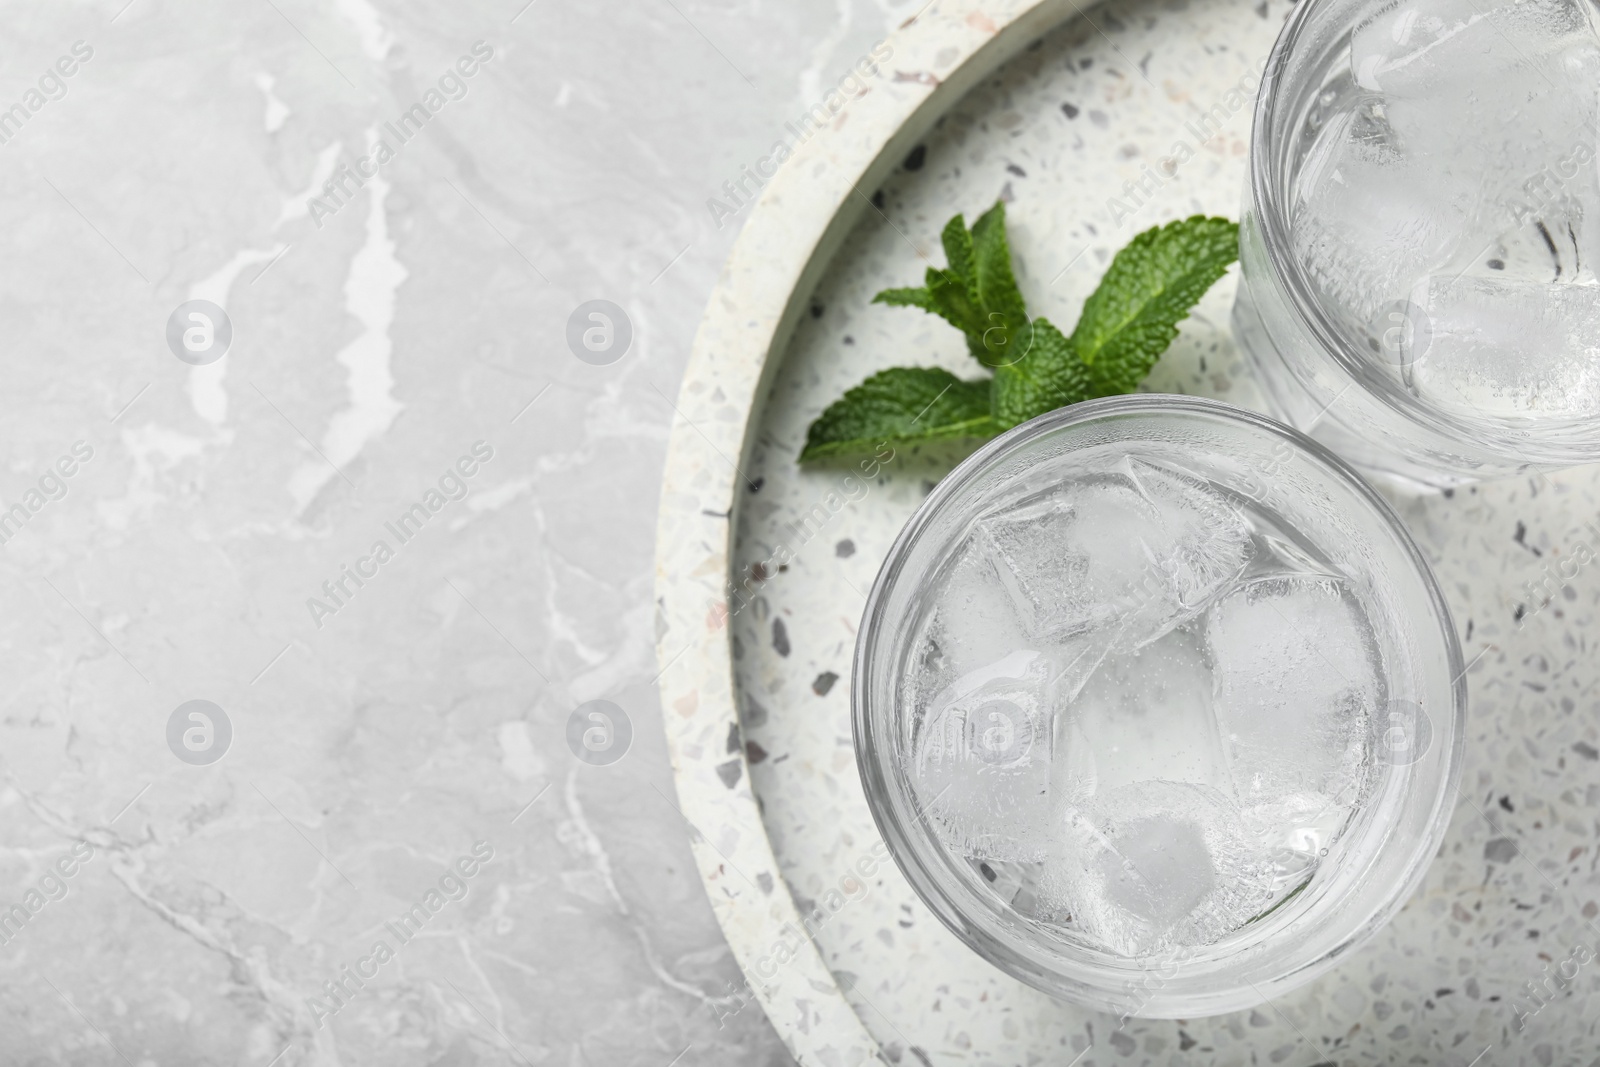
[902,404]
[1152,286]
[1127,323]
[976,293]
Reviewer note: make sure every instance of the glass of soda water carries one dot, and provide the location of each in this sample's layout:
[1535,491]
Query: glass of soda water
[1421,234]
[1158,706]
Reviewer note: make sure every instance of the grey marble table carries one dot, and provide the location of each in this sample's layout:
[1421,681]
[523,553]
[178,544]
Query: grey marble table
[397,207]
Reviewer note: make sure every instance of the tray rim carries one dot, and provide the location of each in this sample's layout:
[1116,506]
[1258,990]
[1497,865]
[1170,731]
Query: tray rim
[797,225]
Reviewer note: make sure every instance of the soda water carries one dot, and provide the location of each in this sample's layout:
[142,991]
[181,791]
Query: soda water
[1445,200]
[1141,709]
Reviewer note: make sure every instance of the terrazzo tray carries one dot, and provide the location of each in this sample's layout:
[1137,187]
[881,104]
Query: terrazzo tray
[1093,124]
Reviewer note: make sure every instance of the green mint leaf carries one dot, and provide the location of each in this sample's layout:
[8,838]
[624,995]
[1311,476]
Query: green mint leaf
[1151,286]
[1049,376]
[1005,314]
[904,405]
[907,298]
[952,300]
[977,293]
[943,295]
[957,242]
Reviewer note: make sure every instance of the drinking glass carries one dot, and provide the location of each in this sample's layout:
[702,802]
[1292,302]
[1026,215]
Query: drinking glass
[1421,218]
[1158,707]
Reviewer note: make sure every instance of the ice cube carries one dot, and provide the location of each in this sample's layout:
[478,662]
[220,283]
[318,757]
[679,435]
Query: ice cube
[975,624]
[1127,552]
[1416,48]
[1210,541]
[1298,680]
[1539,203]
[1510,349]
[1399,49]
[1493,96]
[1064,559]
[1144,715]
[1519,159]
[1154,865]
[1374,225]
[981,760]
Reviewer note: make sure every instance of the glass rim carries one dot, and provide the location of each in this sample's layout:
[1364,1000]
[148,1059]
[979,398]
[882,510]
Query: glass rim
[1508,436]
[986,937]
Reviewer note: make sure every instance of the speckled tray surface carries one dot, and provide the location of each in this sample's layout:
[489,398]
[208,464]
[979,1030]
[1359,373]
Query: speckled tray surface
[1060,110]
